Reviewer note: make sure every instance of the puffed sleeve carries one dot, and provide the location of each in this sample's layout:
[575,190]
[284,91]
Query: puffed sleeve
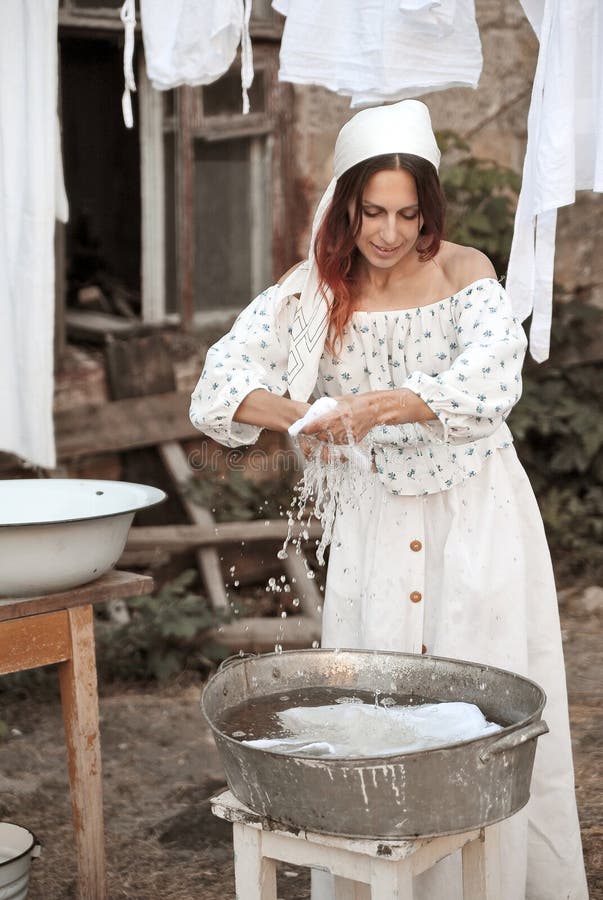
[252,355]
[475,395]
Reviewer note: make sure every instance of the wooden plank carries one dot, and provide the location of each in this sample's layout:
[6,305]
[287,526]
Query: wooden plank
[249,634]
[391,879]
[176,463]
[98,326]
[255,874]
[32,642]
[152,558]
[123,425]
[184,537]
[139,367]
[112,586]
[60,292]
[303,585]
[80,716]
[152,195]
[481,866]
[185,205]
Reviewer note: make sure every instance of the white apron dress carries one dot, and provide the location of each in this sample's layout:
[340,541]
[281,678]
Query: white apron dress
[443,550]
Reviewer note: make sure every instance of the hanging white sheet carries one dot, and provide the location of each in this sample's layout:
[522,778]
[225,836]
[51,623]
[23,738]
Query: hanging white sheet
[564,152]
[31,194]
[195,41]
[376,50]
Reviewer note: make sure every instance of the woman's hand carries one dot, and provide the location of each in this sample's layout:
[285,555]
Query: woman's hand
[353,418]
[356,414]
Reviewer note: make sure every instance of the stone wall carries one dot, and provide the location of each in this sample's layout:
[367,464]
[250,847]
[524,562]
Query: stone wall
[493,120]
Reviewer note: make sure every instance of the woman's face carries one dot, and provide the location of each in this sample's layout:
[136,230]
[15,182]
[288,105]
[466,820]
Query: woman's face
[390,221]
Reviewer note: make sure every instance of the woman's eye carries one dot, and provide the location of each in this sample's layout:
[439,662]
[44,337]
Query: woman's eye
[410,216]
[371,214]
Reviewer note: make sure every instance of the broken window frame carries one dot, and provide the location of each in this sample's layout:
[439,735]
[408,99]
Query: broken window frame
[188,122]
[272,127]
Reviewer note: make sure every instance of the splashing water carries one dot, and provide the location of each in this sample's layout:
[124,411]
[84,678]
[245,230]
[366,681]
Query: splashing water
[329,472]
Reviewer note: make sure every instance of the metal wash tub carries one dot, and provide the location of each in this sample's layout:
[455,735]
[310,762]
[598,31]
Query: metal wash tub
[445,790]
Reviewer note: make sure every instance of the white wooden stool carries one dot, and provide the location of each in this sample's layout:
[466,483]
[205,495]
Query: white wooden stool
[362,869]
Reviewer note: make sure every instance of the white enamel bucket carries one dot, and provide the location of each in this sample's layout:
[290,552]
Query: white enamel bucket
[17,848]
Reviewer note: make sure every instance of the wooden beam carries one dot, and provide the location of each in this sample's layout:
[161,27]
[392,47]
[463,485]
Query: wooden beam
[112,586]
[32,642]
[176,463]
[79,699]
[249,634]
[185,537]
[185,205]
[123,425]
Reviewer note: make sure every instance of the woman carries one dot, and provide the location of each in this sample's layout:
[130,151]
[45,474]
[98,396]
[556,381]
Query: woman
[439,548]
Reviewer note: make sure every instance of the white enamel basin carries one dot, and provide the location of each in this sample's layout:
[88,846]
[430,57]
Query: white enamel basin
[58,533]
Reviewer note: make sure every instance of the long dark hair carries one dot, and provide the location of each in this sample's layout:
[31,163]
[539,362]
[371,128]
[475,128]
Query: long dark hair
[335,247]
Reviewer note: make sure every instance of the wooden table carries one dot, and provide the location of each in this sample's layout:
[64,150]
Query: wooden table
[58,628]
[363,869]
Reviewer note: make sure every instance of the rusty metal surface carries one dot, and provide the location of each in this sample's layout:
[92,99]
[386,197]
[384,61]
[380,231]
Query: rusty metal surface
[433,792]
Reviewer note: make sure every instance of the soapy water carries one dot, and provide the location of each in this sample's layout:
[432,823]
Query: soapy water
[325,722]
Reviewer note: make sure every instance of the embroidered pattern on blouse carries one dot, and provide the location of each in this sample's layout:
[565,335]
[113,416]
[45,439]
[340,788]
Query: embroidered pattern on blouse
[461,355]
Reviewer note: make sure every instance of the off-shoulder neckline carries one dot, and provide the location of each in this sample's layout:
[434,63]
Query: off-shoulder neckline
[410,309]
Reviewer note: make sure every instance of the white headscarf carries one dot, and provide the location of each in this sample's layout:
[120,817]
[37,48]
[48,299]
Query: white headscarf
[400,128]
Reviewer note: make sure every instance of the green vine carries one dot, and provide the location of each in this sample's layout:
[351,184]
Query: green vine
[168,632]
[559,436]
[482,197]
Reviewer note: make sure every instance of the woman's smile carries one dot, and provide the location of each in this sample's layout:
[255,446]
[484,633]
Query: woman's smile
[386,251]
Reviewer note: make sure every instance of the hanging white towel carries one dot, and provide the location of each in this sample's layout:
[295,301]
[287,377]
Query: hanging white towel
[564,151]
[31,193]
[376,50]
[195,41]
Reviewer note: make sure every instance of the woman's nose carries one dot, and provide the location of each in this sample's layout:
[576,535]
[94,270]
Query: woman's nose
[389,230]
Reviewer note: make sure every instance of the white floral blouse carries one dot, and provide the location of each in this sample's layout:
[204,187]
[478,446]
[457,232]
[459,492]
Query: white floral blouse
[462,355]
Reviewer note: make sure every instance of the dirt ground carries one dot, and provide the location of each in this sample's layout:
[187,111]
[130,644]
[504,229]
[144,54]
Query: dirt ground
[160,767]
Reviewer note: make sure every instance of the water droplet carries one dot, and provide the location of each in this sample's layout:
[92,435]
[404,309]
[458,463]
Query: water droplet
[283,579]
[315,645]
[282,554]
[278,648]
[283,615]
[295,601]
[236,583]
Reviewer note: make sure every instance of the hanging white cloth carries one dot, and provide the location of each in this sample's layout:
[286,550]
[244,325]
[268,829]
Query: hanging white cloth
[376,50]
[128,17]
[195,41]
[31,194]
[564,152]
[430,16]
